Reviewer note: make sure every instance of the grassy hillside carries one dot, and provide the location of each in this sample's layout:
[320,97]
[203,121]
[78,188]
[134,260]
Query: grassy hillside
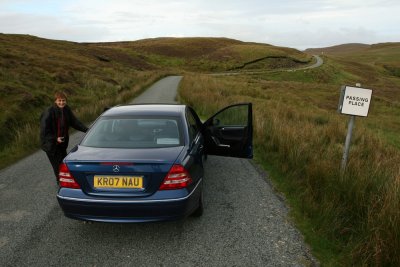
[377,67]
[350,220]
[209,54]
[339,49]
[381,59]
[32,69]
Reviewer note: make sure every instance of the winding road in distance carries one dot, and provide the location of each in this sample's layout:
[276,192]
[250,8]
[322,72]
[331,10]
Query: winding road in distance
[318,63]
[244,224]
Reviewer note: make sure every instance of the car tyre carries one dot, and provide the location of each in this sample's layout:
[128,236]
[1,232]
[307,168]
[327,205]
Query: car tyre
[199,211]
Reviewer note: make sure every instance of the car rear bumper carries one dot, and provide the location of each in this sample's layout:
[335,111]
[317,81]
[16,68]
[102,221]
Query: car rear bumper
[160,207]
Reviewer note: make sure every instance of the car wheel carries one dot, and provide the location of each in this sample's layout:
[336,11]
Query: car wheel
[199,211]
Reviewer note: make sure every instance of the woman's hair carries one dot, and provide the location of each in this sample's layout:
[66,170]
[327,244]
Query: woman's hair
[60,95]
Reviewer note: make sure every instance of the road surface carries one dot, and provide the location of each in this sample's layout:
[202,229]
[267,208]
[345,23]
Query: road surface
[244,223]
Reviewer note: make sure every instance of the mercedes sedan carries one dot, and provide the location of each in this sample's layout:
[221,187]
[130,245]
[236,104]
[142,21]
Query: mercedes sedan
[143,163]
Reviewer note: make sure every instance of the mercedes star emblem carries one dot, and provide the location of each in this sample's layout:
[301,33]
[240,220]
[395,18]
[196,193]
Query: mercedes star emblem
[116,168]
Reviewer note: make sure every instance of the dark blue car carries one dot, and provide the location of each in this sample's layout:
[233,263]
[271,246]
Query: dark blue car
[142,163]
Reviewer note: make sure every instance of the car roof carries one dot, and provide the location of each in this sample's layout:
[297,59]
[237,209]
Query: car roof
[146,109]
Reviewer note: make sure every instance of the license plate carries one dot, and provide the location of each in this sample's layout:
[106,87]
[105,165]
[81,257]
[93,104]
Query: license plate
[118,181]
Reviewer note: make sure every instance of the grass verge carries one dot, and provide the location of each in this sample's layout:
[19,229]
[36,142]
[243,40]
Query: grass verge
[349,220]
[327,251]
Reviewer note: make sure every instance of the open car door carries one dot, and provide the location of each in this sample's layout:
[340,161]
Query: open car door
[230,132]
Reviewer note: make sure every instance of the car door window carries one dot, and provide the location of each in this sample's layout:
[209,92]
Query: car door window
[230,132]
[234,116]
[193,125]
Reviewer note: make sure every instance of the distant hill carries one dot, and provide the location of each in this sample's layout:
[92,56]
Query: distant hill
[338,49]
[174,47]
[356,48]
[210,54]
[383,57]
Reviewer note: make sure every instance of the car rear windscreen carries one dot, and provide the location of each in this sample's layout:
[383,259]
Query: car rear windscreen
[138,132]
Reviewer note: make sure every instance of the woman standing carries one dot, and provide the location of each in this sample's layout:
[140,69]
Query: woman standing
[54,125]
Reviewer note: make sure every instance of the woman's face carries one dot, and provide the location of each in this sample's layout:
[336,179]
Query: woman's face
[60,102]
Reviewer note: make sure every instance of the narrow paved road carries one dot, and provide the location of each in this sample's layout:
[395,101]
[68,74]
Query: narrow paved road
[163,91]
[244,224]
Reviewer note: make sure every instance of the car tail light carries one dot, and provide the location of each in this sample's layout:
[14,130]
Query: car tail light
[65,177]
[176,178]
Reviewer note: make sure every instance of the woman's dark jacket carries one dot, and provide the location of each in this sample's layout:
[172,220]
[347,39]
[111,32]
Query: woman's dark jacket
[54,123]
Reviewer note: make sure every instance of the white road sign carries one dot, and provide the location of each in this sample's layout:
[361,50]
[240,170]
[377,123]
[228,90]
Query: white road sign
[355,101]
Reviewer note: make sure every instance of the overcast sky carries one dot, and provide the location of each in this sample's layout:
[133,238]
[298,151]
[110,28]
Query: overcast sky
[298,24]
